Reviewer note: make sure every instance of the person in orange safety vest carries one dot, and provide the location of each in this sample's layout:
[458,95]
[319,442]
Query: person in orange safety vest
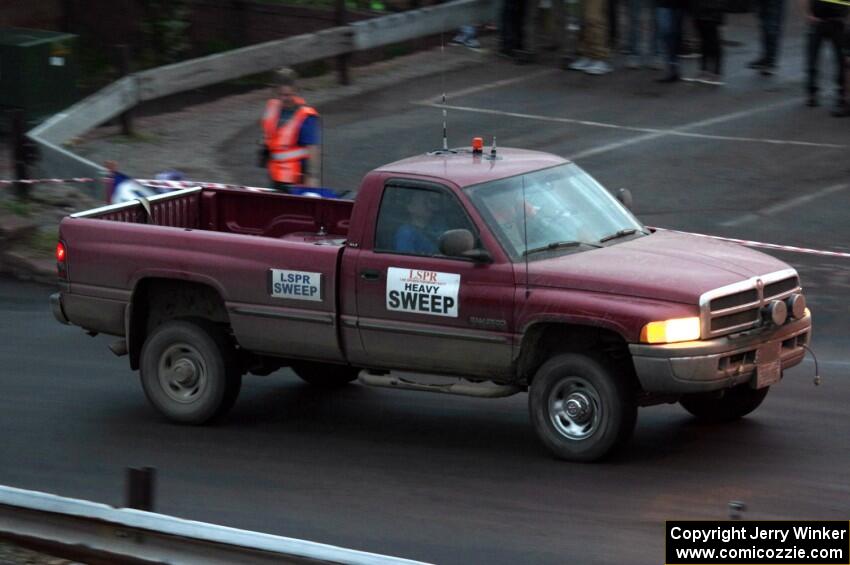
[291,138]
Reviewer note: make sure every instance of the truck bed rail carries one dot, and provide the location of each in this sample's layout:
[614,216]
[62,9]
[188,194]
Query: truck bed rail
[180,208]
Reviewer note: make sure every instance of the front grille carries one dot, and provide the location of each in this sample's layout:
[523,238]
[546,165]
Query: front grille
[737,299]
[733,320]
[781,287]
[737,307]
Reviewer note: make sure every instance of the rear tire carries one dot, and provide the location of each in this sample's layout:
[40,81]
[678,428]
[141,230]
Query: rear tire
[734,403]
[581,409]
[325,375]
[189,371]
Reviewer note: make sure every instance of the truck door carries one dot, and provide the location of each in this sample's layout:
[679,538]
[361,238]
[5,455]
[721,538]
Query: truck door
[420,310]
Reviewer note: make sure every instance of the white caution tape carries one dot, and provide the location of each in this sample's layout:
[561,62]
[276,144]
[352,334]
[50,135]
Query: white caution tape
[749,243]
[190,184]
[39,181]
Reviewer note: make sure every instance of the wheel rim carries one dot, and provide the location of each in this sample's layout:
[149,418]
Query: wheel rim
[575,408]
[182,372]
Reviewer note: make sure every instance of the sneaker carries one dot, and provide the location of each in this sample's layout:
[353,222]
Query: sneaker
[768,70]
[701,76]
[472,43]
[757,64]
[713,79]
[633,62]
[598,68]
[459,39]
[580,64]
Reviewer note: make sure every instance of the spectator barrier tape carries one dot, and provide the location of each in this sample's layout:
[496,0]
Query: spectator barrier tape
[777,247]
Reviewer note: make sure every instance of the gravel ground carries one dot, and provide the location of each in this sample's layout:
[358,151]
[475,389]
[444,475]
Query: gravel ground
[191,139]
[11,554]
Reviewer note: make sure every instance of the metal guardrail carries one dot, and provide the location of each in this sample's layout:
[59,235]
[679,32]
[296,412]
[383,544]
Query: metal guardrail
[107,534]
[126,93]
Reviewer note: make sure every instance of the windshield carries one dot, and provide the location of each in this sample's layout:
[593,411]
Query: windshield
[566,211]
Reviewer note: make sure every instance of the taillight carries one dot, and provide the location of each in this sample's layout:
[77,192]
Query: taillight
[61,260]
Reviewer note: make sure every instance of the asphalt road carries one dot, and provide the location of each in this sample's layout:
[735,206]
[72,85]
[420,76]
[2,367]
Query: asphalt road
[457,480]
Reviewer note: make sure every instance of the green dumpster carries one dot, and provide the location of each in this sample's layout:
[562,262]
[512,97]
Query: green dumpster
[38,71]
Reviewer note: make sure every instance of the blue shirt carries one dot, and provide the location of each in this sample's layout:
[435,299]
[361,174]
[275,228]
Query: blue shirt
[410,239]
[310,133]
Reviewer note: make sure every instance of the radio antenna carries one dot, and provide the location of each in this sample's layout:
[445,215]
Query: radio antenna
[524,231]
[443,80]
[445,136]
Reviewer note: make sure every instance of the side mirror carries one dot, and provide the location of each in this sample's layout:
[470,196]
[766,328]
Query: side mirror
[461,243]
[624,195]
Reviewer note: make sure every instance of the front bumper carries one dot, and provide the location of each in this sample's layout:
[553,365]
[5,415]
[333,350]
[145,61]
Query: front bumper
[703,366]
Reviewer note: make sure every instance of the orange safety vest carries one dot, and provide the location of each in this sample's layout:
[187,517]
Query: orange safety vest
[285,155]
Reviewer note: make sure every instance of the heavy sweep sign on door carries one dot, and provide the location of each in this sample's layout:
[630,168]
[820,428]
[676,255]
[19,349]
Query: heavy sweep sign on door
[422,292]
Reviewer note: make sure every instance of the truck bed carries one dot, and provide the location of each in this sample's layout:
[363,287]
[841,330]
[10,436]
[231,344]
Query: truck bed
[236,243]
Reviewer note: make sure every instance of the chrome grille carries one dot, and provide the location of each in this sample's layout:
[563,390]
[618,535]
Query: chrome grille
[782,287]
[738,299]
[737,307]
[734,320]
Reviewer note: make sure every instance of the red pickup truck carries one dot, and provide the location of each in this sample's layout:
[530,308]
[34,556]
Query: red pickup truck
[455,271]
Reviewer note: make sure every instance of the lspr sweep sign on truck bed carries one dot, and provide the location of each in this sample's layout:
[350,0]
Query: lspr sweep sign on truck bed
[295,285]
[422,292]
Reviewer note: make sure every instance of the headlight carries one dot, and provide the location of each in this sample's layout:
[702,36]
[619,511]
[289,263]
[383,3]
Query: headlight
[669,331]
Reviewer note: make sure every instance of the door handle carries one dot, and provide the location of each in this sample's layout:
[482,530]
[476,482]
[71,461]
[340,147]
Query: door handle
[370,274]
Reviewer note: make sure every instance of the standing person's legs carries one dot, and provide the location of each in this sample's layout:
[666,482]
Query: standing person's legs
[714,47]
[775,14]
[595,46]
[812,53]
[704,48]
[836,37]
[508,17]
[655,33]
[519,18]
[613,21]
[669,25]
[635,24]
[596,25]
[762,16]
[637,32]
[719,39]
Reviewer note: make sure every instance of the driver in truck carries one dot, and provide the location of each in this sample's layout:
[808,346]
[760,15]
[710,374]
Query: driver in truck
[419,234]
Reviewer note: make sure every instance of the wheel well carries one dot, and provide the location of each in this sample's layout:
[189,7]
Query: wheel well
[544,340]
[158,300]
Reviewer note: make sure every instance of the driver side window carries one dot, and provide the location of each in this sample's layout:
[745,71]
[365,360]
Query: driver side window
[412,219]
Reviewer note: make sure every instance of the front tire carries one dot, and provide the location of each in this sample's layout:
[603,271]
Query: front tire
[581,409]
[731,404]
[325,375]
[189,371]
